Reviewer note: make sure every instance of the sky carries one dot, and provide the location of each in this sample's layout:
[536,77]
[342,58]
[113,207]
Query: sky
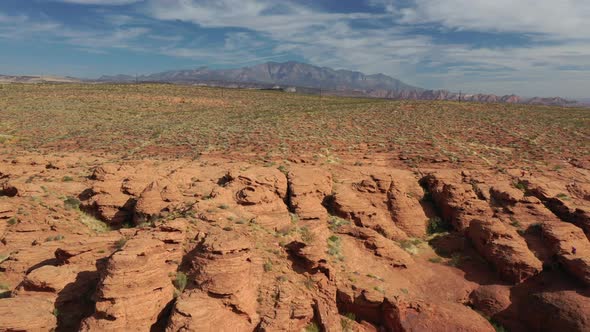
[527,47]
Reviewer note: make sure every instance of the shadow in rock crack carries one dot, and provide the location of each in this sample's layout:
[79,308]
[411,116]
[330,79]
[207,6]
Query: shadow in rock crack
[74,302]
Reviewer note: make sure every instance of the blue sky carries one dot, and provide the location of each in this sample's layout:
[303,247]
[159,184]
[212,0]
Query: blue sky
[529,47]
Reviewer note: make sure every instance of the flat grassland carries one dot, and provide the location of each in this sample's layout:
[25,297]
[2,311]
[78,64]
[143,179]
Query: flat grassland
[185,121]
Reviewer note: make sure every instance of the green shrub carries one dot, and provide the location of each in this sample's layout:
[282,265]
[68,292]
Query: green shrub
[336,222]
[334,247]
[72,203]
[347,322]
[119,244]
[436,225]
[520,186]
[435,260]
[312,327]
[180,281]
[306,235]
[267,266]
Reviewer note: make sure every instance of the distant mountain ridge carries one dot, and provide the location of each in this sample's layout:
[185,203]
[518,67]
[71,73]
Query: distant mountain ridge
[289,73]
[37,79]
[296,76]
[299,77]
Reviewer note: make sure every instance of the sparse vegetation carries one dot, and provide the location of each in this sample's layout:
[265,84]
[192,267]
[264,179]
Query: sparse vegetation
[309,283]
[411,245]
[267,266]
[93,223]
[520,186]
[455,260]
[563,197]
[370,275]
[163,117]
[306,235]
[514,222]
[436,225]
[347,322]
[72,203]
[435,260]
[337,222]
[312,327]
[13,221]
[334,247]
[180,281]
[119,244]
[54,238]
[67,178]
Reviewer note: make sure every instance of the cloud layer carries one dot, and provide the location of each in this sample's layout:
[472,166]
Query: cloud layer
[528,46]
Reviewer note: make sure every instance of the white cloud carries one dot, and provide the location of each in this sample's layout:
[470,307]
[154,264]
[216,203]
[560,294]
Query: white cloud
[331,39]
[559,19]
[387,43]
[22,27]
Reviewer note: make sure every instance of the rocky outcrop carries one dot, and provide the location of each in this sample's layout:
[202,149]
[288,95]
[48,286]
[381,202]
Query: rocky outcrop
[505,249]
[49,278]
[505,194]
[352,206]
[134,288]
[156,199]
[109,204]
[67,287]
[381,246]
[555,195]
[562,310]
[261,193]
[218,260]
[196,311]
[27,314]
[456,201]
[397,314]
[231,246]
[490,300]
[571,247]
[308,189]
[404,196]
[416,315]
[222,301]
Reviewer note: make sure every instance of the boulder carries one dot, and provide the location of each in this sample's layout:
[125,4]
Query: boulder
[28,313]
[457,202]
[308,189]
[571,247]
[134,289]
[196,311]
[351,206]
[505,249]
[404,196]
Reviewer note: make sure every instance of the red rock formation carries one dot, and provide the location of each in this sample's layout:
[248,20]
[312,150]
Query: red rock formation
[505,249]
[571,247]
[27,314]
[134,288]
[309,187]
[457,201]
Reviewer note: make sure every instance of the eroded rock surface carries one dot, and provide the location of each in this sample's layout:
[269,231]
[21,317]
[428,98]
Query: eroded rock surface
[212,245]
[505,249]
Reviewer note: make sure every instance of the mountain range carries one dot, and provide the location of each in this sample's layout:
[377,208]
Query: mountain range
[300,77]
